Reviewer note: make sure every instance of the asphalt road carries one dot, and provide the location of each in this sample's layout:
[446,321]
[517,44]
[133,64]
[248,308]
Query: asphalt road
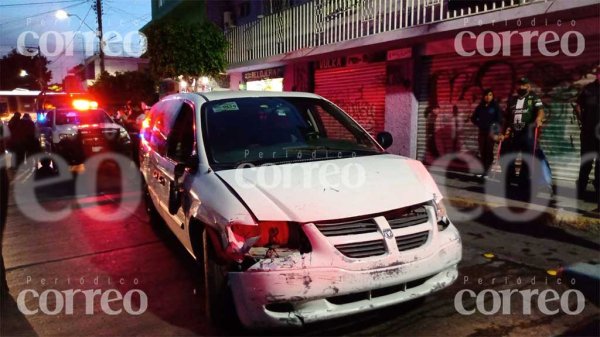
[86,251]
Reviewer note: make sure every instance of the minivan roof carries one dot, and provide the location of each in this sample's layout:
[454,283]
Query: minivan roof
[217,95]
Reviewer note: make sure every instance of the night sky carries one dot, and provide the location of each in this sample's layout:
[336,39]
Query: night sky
[120,16]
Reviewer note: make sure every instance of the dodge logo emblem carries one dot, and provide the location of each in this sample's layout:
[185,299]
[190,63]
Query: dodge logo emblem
[388,233]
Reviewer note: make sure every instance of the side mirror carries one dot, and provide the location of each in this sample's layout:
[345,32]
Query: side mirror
[385,139]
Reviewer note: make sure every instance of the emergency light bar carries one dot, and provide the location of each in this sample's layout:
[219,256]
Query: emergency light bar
[84,104]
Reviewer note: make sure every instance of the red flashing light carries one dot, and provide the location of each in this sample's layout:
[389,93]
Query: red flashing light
[84,104]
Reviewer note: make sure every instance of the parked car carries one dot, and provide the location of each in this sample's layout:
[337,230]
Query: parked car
[292,208]
[80,131]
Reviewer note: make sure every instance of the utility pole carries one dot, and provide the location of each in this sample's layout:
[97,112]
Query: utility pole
[98,9]
[38,66]
[40,72]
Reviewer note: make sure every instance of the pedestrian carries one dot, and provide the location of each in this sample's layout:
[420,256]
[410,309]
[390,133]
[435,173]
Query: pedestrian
[31,144]
[15,141]
[488,119]
[3,211]
[588,111]
[525,113]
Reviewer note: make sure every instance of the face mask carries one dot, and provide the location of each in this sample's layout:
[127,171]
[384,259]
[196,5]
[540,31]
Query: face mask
[521,92]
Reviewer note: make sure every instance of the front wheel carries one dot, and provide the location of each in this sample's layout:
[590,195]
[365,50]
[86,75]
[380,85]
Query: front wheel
[218,298]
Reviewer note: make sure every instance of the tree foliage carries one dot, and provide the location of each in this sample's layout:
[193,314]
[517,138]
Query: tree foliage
[117,89]
[186,48]
[36,68]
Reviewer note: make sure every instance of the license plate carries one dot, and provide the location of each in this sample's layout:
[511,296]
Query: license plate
[96,148]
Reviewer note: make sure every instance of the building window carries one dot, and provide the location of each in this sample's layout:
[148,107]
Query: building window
[161,3]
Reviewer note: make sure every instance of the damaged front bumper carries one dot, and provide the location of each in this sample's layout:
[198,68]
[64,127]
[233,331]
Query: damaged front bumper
[305,288]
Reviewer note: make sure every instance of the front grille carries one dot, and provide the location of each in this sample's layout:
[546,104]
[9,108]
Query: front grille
[351,228]
[362,249]
[411,241]
[98,137]
[407,217]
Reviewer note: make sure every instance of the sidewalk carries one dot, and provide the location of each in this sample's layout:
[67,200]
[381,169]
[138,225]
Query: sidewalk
[466,191]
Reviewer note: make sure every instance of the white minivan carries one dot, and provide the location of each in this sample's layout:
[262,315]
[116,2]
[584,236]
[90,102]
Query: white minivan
[291,208]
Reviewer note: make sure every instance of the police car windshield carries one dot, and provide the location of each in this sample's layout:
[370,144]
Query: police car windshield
[75,117]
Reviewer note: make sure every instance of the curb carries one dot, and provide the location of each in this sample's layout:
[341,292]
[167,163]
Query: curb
[556,217]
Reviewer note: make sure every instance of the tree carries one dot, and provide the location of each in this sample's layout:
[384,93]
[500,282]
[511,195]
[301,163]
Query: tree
[134,86]
[35,77]
[186,49]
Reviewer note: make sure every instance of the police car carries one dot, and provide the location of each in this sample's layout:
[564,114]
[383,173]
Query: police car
[80,130]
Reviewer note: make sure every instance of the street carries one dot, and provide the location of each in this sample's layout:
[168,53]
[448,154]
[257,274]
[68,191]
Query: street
[85,251]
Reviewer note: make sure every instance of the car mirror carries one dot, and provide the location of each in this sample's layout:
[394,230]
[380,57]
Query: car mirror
[385,139]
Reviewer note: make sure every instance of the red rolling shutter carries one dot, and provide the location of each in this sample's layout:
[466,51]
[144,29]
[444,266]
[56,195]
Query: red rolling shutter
[358,89]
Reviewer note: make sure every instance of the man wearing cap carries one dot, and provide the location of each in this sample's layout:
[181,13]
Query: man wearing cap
[525,116]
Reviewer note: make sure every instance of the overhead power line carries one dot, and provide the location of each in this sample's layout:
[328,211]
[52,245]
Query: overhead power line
[39,3]
[42,13]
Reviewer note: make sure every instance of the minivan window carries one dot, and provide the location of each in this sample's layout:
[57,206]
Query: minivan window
[162,122]
[280,129]
[181,139]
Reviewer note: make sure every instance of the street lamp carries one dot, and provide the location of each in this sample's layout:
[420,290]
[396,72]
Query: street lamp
[23,73]
[62,14]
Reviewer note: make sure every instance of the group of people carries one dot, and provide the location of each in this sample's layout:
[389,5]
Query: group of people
[130,113]
[518,131]
[22,141]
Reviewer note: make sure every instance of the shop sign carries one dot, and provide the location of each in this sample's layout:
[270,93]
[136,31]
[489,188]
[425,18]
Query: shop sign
[262,74]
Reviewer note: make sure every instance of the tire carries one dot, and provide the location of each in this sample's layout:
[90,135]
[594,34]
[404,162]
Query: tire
[219,304]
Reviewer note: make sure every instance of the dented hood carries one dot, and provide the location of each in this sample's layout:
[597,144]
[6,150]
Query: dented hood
[331,189]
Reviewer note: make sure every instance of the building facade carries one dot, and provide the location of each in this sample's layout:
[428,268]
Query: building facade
[89,71]
[417,68]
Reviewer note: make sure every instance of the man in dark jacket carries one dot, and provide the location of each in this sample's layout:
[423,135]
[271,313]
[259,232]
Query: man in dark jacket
[15,141]
[488,118]
[30,141]
[525,117]
[588,112]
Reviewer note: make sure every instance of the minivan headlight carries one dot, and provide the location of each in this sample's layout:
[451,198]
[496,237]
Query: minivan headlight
[268,234]
[441,214]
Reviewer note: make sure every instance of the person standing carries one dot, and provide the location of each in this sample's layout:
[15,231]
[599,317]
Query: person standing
[31,143]
[525,113]
[588,112]
[3,211]
[15,141]
[488,119]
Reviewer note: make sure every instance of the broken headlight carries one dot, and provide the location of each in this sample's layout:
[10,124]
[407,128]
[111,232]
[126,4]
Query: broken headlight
[441,214]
